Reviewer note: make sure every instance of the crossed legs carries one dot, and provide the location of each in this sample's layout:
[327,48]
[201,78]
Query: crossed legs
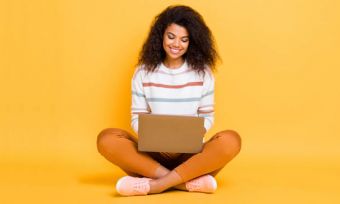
[120,148]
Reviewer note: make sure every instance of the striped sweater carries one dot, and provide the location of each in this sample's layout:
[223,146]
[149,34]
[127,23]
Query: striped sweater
[180,91]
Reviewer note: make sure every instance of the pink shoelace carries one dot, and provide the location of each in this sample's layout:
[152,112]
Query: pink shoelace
[141,186]
[206,184]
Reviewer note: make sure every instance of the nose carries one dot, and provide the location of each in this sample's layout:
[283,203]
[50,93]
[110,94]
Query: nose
[176,42]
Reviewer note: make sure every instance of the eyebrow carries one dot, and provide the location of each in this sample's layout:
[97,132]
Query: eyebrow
[175,35]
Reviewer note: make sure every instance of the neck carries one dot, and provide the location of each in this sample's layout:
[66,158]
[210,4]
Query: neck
[173,63]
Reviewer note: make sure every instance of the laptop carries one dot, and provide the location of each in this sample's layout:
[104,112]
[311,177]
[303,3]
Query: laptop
[170,133]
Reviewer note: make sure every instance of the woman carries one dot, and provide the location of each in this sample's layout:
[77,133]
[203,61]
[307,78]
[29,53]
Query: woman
[173,76]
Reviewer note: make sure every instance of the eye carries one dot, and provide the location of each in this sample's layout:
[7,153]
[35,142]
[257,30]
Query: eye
[171,37]
[185,40]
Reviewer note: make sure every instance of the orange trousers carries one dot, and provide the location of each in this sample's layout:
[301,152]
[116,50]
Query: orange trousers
[120,148]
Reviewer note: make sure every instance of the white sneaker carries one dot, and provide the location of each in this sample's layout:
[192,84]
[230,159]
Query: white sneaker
[130,186]
[204,184]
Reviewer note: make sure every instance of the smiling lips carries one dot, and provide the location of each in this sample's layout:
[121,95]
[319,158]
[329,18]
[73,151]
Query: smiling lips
[174,50]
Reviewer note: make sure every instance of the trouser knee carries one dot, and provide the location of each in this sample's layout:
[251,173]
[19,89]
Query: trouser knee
[106,137]
[231,142]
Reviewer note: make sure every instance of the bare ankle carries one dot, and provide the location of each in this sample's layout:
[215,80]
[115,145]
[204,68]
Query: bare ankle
[181,187]
[161,171]
[165,182]
[155,187]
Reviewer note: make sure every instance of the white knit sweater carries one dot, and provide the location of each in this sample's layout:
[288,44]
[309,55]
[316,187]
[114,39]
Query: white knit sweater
[180,91]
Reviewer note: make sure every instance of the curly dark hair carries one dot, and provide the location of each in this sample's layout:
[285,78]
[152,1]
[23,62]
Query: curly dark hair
[201,51]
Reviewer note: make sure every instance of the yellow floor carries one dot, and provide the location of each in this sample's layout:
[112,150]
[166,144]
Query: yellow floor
[245,180]
[65,74]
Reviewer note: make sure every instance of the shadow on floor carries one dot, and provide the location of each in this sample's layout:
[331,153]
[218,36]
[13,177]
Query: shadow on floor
[106,179]
[110,179]
[167,192]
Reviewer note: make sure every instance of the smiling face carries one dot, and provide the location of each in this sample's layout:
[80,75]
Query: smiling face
[175,42]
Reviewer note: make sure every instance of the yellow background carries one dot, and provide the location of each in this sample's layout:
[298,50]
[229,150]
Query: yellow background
[65,69]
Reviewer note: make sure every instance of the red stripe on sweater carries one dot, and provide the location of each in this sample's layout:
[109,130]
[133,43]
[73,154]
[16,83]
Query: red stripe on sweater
[198,83]
[209,111]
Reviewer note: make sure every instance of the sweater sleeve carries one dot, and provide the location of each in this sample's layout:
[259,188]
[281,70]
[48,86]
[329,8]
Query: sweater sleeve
[206,107]
[138,103]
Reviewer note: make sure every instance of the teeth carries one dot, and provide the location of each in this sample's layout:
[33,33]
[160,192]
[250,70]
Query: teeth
[175,51]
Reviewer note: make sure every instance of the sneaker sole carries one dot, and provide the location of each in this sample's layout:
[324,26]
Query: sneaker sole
[120,181]
[213,182]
